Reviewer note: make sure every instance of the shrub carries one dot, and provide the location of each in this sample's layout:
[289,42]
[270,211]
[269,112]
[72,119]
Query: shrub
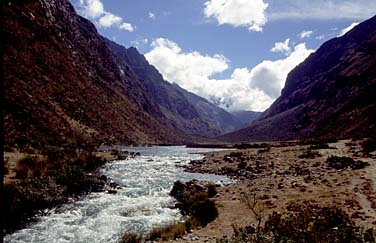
[317,141]
[309,224]
[168,232]
[309,154]
[25,167]
[264,150]
[212,190]
[242,165]
[369,145]
[22,142]
[8,148]
[194,201]
[204,211]
[130,238]
[339,163]
[6,166]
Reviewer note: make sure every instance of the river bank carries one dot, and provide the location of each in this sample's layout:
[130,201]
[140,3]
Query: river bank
[287,176]
[140,202]
[35,181]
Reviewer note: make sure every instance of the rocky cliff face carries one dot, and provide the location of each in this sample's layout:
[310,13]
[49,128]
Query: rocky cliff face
[332,93]
[187,111]
[63,83]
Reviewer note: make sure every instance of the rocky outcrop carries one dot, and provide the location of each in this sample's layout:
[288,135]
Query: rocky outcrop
[330,94]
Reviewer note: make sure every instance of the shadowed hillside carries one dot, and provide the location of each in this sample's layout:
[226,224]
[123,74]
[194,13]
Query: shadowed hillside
[332,93]
[63,83]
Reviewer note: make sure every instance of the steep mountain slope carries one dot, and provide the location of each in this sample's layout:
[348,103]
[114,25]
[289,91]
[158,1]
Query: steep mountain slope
[188,112]
[212,114]
[246,117]
[63,83]
[332,93]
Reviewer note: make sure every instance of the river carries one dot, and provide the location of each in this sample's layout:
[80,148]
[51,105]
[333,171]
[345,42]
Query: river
[140,204]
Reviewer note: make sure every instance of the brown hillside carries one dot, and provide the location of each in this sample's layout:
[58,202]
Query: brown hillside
[63,83]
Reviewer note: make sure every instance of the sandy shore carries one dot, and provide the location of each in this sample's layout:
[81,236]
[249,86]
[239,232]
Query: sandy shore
[282,178]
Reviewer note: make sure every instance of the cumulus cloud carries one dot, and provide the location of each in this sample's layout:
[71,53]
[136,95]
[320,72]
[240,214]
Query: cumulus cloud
[151,15]
[282,47]
[251,14]
[94,10]
[246,89]
[321,9]
[347,29]
[305,34]
[126,26]
[109,19]
[270,76]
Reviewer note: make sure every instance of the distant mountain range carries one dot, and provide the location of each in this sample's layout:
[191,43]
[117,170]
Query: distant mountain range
[188,112]
[65,83]
[331,94]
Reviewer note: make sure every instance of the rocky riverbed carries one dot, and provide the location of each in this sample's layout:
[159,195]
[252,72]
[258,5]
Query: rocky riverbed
[284,176]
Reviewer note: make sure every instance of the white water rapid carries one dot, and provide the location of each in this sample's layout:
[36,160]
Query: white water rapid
[140,204]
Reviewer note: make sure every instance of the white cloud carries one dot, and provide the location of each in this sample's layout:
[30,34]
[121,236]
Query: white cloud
[321,9]
[126,26]
[139,42]
[247,89]
[251,14]
[347,29]
[151,15]
[305,34]
[94,10]
[282,47]
[108,19]
[320,37]
[270,76]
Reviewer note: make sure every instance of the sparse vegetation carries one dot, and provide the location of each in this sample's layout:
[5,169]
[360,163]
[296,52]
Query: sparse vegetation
[317,141]
[340,163]
[251,145]
[6,166]
[168,232]
[130,238]
[212,190]
[309,224]
[309,154]
[46,180]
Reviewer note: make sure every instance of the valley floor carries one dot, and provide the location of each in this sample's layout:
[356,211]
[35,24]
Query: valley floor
[285,176]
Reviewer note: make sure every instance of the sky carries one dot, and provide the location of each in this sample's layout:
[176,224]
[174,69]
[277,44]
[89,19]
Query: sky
[235,53]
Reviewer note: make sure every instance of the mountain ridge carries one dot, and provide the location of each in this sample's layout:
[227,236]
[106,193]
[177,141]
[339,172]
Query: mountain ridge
[189,112]
[329,94]
[62,82]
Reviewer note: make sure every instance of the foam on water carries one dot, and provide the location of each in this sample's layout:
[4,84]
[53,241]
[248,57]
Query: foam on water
[140,204]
